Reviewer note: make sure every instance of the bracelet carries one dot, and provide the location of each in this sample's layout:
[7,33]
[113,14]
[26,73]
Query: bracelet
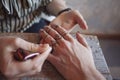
[64,10]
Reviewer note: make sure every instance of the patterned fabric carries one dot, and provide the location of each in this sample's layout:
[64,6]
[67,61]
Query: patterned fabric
[18,15]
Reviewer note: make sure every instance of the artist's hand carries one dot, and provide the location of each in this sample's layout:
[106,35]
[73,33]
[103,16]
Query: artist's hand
[69,19]
[12,68]
[72,58]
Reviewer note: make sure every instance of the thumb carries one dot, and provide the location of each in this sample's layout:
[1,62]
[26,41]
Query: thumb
[20,43]
[80,20]
[81,39]
[39,60]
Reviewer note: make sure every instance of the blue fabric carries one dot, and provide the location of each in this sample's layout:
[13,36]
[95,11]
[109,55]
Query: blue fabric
[37,26]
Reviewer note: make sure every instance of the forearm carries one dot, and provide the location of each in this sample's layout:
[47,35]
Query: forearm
[56,6]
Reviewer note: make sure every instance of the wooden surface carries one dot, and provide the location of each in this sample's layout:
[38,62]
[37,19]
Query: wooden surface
[49,72]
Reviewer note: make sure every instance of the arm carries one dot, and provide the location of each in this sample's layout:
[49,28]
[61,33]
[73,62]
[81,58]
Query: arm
[56,6]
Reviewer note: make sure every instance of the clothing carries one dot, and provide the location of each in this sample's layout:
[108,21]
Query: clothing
[35,28]
[18,15]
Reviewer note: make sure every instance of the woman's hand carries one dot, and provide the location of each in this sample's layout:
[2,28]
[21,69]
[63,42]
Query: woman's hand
[72,58]
[66,19]
[69,19]
[12,68]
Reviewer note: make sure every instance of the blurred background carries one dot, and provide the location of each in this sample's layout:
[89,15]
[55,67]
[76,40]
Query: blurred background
[103,19]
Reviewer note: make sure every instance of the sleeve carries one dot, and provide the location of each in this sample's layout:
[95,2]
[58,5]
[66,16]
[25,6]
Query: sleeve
[44,4]
[9,6]
[5,6]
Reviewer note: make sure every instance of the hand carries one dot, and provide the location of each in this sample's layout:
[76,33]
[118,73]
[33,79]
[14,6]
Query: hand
[72,58]
[70,18]
[12,68]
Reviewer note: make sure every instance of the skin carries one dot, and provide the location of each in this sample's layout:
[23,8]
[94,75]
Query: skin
[10,67]
[9,44]
[72,58]
[67,19]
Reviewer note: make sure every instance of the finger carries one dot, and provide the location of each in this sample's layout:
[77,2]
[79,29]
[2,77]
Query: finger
[80,20]
[62,32]
[20,43]
[38,61]
[47,38]
[81,39]
[54,34]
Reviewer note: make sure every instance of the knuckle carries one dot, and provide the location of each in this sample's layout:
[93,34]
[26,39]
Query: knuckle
[61,41]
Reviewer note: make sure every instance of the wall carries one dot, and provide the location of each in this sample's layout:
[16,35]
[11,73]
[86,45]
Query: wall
[102,16]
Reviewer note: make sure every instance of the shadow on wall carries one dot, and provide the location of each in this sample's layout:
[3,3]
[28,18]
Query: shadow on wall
[102,16]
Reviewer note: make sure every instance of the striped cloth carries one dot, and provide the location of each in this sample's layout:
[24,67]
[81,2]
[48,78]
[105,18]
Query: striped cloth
[18,15]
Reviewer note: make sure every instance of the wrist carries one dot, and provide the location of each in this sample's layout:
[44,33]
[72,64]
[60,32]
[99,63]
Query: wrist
[64,10]
[56,6]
